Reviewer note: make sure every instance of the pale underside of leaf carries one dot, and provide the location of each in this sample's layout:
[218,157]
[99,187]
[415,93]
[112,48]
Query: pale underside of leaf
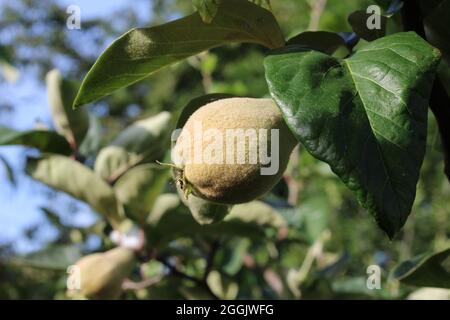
[140,52]
[79,181]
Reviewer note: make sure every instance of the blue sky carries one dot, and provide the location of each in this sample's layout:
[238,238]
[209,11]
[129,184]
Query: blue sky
[19,207]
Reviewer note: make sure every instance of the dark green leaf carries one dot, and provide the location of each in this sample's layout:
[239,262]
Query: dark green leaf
[66,175]
[437,27]
[394,7]
[323,41]
[365,116]
[43,140]
[361,20]
[427,270]
[140,52]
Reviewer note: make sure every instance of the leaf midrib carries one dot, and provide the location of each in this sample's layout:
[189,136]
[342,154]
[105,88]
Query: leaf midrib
[380,152]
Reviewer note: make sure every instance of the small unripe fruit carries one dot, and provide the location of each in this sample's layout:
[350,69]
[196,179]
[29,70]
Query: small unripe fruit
[102,274]
[239,181]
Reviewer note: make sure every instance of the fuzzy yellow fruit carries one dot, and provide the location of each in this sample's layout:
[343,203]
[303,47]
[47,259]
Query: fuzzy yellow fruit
[219,168]
[102,274]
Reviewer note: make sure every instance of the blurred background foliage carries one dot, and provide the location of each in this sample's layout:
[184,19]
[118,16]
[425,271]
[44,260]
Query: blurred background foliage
[316,241]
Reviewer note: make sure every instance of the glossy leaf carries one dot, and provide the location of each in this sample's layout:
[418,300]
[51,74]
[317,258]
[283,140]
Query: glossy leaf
[43,140]
[144,141]
[428,270]
[140,52]
[72,124]
[375,145]
[323,41]
[139,187]
[361,20]
[64,174]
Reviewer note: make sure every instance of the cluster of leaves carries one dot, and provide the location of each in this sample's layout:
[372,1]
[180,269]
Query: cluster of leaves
[289,245]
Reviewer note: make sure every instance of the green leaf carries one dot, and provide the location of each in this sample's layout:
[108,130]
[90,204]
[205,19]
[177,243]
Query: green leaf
[58,257]
[222,287]
[170,220]
[91,143]
[139,187]
[71,124]
[314,212]
[323,41]
[140,52]
[356,288]
[427,270]
[43,140]
[256,213]
[263,3]
[366,116]
[234,254]
[437,28]
[144,141]
[69,176]
[359,21]
[207,9]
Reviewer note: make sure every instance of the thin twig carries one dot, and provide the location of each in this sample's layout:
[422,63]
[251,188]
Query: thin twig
[176,272]
[317,7]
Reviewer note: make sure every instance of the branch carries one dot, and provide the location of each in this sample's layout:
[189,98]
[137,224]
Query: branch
[317,8]
[200,282]
[439,100]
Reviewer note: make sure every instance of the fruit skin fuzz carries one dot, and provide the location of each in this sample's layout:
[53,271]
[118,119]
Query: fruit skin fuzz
[225,182]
